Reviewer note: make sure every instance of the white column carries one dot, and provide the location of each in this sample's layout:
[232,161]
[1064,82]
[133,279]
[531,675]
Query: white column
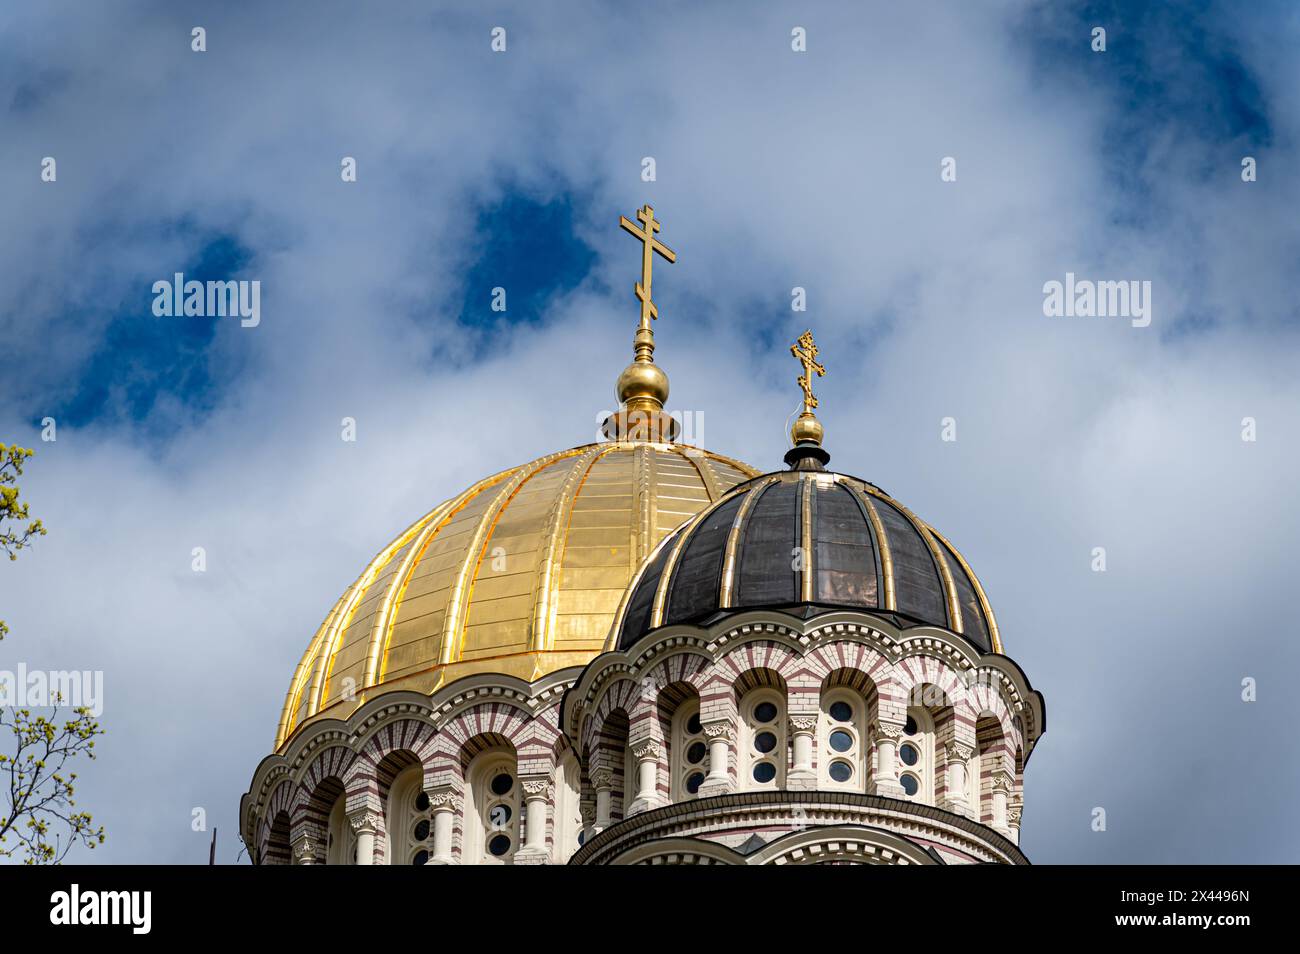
[537,798]
[647,772]
[718,781]
[801,774]
[444,817]
[364,824]
[885,781]
[1001,799]
[956,755]
[603,781]
[1013,819]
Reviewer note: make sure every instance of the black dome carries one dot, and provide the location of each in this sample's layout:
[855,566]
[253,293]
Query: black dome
[860,549]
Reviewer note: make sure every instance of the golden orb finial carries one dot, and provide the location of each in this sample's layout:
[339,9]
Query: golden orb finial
[642,388]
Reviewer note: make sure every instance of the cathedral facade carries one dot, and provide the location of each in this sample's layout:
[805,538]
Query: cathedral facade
[640,652]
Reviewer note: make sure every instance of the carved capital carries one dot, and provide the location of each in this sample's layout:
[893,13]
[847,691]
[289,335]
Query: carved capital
[1013,816]
[442,801]
[644,751]
[803,723]
[720,730]
[537,788]
[305,851]
[1002,782]
[888,731]
[602,779]
[364,821]
[955,751]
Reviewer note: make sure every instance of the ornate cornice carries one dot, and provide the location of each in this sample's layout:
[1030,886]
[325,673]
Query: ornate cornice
[740,811]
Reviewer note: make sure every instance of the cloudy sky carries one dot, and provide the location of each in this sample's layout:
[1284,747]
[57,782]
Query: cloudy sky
[774,169]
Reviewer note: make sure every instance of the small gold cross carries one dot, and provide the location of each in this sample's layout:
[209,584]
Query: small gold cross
[649,245]
[806,351]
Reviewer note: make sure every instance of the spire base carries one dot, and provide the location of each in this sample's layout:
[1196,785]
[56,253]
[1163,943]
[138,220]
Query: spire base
[807,456]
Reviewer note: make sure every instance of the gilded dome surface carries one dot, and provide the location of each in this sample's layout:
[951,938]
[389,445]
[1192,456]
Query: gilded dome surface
[856,546]
[521,574]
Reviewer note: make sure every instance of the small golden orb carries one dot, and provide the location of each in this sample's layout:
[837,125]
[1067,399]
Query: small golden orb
[643,379]
[807,430]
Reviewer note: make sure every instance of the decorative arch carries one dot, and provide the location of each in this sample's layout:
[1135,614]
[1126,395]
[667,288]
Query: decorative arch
[319,788]
[273,841]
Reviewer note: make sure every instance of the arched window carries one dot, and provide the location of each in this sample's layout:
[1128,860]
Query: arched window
[690,751]
[406,819]
[841,741]
[341,842]
[492,825]
[916,756]
[568,811]
[763,740]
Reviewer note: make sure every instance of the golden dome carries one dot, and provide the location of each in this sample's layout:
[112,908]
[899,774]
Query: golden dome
[521,574]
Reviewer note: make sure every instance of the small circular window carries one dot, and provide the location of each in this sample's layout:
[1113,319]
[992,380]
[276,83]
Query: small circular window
[499,845]
[841,741]
[841,712]
[764,772]
[422,802]
[695,754]
[765,742]
[499,816]
[909,727]
[910,784]
[421,858]
[841,771]
[693,726]
[502,784]
[908,753]
[422,829]
[765,712]
[694,782]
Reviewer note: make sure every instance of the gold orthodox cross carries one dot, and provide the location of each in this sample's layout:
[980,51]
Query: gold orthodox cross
[649,245]
[806,351]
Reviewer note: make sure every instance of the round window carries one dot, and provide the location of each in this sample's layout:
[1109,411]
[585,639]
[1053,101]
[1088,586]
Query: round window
[693,726]
[910,784]
[422,829]
[695,754]
[765,742]
[502,784]
[841,771]
[841,741]
[909,727]
[764,772]
[499,845]
[908,753]
[694,782]
[421,858]
[841,711]
[765,712]
[422,802]
[499,815]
